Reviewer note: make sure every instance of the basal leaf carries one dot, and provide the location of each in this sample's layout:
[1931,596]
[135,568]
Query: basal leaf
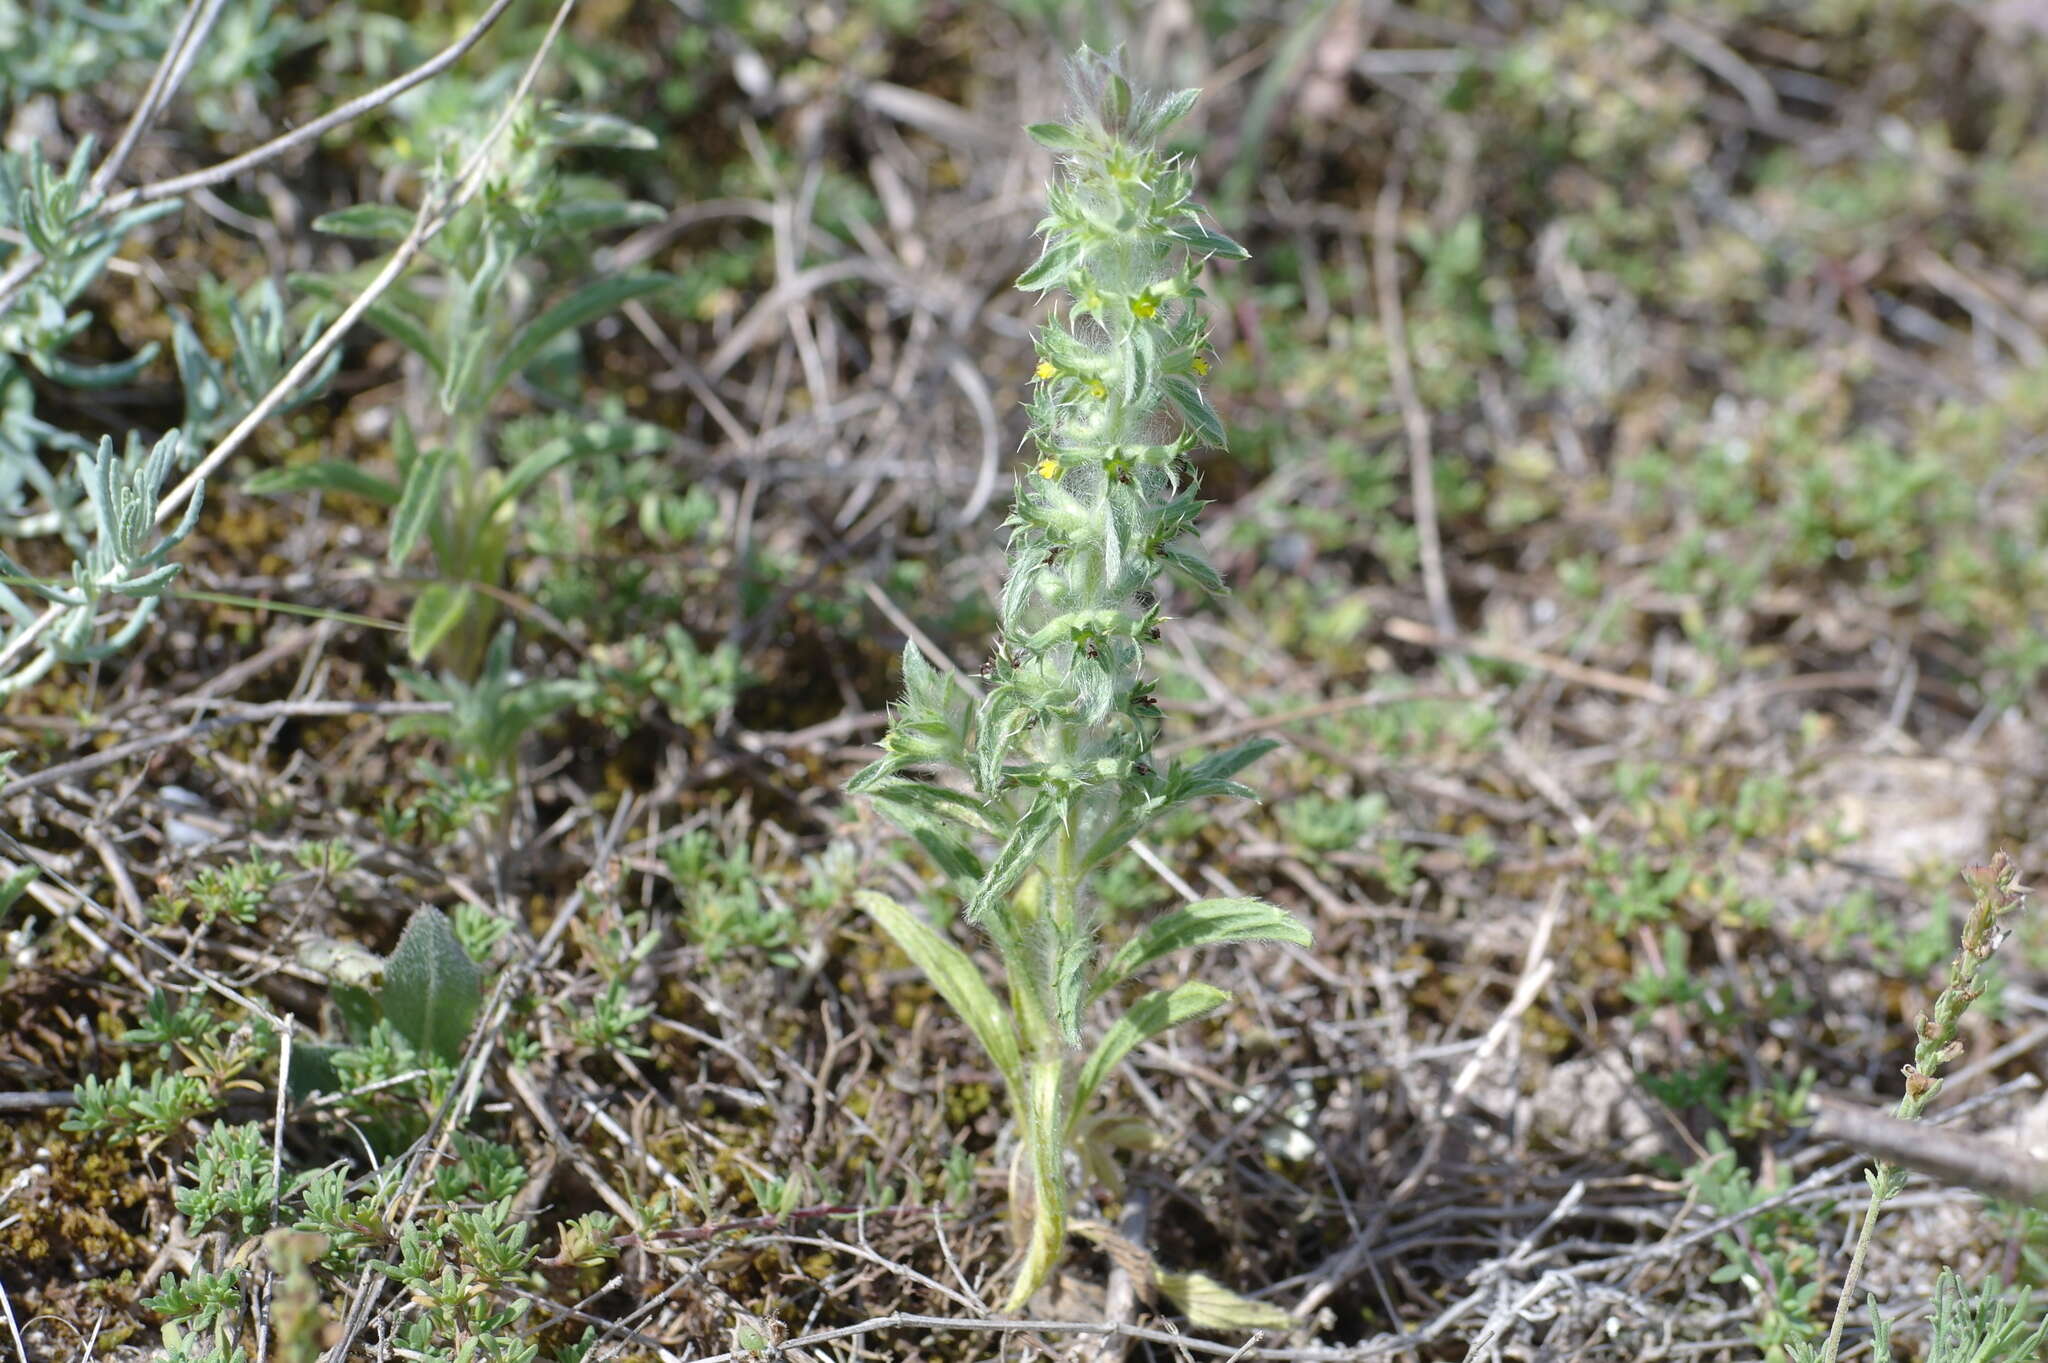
[1212,1306]
[439,609]
[431,988]
[956,978]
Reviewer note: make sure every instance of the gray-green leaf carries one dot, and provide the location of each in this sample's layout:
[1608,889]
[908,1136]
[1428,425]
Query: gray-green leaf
[955,977]
[431,988]
[418,499]
[1207,922]
[1016,857]
[1149,1016]
[587,304]
[328,475]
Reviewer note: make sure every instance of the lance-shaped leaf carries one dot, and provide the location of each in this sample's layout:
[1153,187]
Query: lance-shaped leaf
[1191,565]
[1149,1016]
[590,439]
[1017,855]
[1195,409]
[439,608]
[1049,268]
[955,977]
[1212,1306]
[1167,112]
[326,475]
[1207,922]
[1057,137]
[388,314]
[379,222]
[920,810]
[1196,237]
[14,886]
[418,498]
[587,304]
[1001,721]
[1076,952]
[431,987]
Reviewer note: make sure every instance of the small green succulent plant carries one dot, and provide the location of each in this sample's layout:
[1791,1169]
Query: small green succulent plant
[1054,765]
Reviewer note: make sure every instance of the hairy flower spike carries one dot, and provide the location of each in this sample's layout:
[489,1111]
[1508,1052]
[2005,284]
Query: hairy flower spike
[1056,758]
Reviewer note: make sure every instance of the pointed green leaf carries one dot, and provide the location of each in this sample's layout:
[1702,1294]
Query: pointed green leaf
[1116,100]
[1210,1305]
[1050,267]
[14,886]
[1198,570]
[1057,137]
[1141,365]
[870,778]
[418,500]
[590,440]
[587,304]
[205,384]
[328,475]
[1167,112]
[1149,1016]
[1070,976]
[379,222]
[1228,763]
[386,314]
[74,375]
[583,217]
[1195,409]
[910,806]
[586,128]
[1017,855]
[1207,922]
[1193,235]
[1002,720]
[955,977]
[431,988]
[438,610]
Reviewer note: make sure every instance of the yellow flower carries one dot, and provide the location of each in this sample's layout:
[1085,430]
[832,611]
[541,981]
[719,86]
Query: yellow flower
[1044,370]
[1144,305]
[1048,468]
[1199,365]
[1096,390]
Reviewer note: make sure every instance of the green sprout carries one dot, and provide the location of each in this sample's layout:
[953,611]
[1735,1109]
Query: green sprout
[1056,758]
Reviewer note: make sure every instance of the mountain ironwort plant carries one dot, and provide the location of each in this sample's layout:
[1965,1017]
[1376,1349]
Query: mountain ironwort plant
[1057,757]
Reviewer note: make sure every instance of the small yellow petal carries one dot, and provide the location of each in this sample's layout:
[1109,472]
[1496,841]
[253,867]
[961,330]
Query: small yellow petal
[1199,365]
[1144,306]
[1044,370]
[1048,468]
